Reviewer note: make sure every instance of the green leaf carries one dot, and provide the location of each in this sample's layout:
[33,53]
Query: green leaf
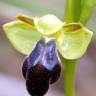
[79,10]
[68,15]
[87,9]
[22,36]
[91,3]
[48,24]
[77,6]
[73,41]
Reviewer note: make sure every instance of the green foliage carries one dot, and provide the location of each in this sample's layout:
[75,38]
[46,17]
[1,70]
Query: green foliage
[79,10]
[72,10]
[87,9]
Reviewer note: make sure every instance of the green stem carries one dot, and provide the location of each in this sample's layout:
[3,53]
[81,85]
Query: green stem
[72,11]
[68,11]
[72,14]
[76,10]
[69,77]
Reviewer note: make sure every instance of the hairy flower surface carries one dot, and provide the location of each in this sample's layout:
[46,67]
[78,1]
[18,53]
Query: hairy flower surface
[41,68]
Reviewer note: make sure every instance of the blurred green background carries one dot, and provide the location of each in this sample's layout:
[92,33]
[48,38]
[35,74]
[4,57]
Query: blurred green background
[11,79]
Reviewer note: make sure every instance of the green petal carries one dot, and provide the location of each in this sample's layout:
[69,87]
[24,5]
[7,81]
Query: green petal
[48,24]
[73,41]
[22,36]
[26,19]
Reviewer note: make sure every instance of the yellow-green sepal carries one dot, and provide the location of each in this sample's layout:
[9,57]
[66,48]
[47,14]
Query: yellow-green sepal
[22,36]
[73,40]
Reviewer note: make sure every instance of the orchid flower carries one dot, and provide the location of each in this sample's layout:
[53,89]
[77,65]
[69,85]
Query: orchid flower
[41,38]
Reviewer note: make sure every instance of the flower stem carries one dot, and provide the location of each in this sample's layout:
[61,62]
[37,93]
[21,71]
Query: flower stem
[69,77]
[72,11]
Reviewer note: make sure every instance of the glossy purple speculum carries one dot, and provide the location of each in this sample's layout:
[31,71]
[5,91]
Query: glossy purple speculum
[41,68]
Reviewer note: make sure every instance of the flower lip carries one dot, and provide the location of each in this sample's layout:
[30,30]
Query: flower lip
[42,67]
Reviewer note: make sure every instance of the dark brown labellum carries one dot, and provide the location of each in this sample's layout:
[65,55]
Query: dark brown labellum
[41,68]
